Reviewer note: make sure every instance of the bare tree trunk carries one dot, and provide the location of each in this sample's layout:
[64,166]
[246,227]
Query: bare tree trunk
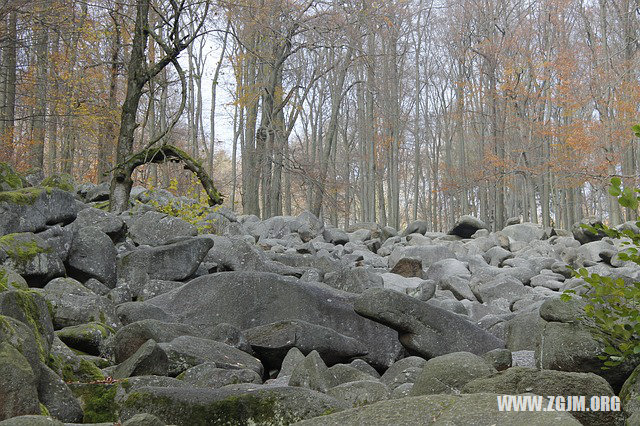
[9,71]
[214,89]
[40,110]
[105,149]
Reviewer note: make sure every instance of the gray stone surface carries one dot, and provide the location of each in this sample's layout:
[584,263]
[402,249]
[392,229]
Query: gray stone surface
[422,328]
[248,299]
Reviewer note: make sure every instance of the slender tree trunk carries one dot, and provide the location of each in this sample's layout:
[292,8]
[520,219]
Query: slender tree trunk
[9,62]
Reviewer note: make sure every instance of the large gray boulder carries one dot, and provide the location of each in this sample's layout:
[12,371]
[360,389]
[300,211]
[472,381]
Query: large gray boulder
[208,375]
[630,394]
[424,329]
[172,262]
[518,380]
[20,336]
[157,229]
[428,255]
[416,227]
[132,336]
[18,384]
[107,222]
[54,393]
[32,209]
[30,309]
[74,304]
[427,410]
[233,253]
[572,347]
[271,342]
[30,256]
[185,352]
[449,373]
[524,232]
[235,405]
[148,360]
[585,236]
[466,226]
[93,255]
[250,299]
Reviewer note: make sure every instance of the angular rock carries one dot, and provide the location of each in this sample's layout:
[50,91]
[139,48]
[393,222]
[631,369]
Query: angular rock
[32,209]
[585,236]
[310,373]
[30,256]
[107,222]
[31,420]
[235,254]
[31,309]
[525,232]
[445,268]
[187,351]
[87,338]
[74,304]
[335,236]
[408,267]
[93,255]
[501,287]
[173,262]
[131,337]
[248,299]
[157,229]
[416,227]
[54,393]
[271,342]
[18,384]
[428,255]
[144,419]
[207,375]
[426,330]
[149,359]
[630,395]
[449,373]
[459,286]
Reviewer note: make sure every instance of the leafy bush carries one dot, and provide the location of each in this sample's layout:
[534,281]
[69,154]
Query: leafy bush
[612,310]
[195,213]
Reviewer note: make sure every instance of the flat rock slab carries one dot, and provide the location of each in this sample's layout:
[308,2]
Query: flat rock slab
[250,299]
[239,405]
[173,262]
[426,330]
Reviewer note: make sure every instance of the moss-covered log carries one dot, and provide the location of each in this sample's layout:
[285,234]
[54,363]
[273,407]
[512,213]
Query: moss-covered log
[121,184]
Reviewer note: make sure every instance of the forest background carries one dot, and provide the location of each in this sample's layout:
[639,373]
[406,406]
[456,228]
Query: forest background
[383,111]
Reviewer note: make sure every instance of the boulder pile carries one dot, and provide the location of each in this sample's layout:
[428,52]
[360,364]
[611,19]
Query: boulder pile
[146,319]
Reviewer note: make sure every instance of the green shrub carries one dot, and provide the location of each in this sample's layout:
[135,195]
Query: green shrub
[613,306]
[194,213]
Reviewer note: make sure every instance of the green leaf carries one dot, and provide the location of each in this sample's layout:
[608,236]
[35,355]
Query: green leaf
[616,181]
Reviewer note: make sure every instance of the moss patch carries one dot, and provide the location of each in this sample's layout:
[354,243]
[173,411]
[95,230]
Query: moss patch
[9,179]
[26,196]
[44,411]
[62,181]
[98,402]
[22,248]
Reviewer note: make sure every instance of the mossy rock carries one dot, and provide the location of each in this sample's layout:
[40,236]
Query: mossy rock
[18,384]
[62,181]
[31,309]
[20,336]
[71,367]
[233,405]
[23,247]
[11,280]
[97,400]
[24,196]
[87,338]
[9,179]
